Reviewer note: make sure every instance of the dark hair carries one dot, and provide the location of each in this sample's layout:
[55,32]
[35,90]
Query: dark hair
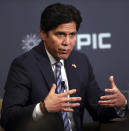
[57,14]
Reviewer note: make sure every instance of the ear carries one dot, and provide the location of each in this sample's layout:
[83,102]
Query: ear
[43,34]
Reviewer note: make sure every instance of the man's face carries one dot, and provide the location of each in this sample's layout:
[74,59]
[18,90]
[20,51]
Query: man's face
[61,40]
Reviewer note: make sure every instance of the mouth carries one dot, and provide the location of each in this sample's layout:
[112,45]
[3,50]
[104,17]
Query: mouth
[64,51]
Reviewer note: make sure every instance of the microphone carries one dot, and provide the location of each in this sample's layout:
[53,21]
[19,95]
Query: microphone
[63,85]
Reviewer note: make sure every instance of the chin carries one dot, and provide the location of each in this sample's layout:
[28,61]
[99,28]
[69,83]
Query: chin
[64,57]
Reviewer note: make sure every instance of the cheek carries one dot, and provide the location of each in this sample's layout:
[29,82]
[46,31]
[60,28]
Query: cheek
[73,43]
[55,42]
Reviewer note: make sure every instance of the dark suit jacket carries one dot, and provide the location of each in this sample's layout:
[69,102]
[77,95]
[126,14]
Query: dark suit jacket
[30,79]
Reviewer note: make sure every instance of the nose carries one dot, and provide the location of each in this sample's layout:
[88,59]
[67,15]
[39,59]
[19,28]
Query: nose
[66,41]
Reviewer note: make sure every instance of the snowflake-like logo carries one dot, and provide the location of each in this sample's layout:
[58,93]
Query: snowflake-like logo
[30,41]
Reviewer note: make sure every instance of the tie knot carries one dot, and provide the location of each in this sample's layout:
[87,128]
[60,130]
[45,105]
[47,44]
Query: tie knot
[58,64]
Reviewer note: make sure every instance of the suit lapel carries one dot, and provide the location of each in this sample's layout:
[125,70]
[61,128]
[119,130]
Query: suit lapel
[72,73]
[44,64]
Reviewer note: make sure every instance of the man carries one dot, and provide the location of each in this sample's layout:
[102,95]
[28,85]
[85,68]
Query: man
[53,77]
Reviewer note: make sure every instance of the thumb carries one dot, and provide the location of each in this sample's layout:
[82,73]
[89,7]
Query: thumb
[111,79]
[53,89]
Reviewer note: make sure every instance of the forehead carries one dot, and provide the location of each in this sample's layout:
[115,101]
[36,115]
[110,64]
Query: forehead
[67,27]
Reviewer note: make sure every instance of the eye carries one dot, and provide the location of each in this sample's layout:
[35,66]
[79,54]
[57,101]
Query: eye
[60,34]
[73,34]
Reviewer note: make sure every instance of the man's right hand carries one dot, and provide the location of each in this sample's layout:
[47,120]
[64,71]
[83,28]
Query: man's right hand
[61,102]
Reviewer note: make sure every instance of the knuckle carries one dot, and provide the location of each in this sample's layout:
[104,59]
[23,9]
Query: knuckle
[74,105]
[71,99]
[69,104]
[60,105]
[68,99]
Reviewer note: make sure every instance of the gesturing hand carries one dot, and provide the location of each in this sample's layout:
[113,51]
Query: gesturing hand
[60,102]
[115,99]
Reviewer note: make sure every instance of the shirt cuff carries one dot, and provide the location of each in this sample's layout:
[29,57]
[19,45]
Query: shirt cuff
[37,113]
[121,111]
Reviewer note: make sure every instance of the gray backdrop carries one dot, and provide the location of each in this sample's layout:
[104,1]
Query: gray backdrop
[103,36]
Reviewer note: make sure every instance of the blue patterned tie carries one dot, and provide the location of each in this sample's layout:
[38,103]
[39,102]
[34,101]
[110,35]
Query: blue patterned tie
[60,90]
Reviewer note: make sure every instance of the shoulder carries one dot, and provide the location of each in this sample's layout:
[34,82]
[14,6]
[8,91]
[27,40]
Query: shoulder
[24,58]
[30,56]
[25,61]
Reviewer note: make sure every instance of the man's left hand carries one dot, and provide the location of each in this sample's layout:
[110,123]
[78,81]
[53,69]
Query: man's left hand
[115,97]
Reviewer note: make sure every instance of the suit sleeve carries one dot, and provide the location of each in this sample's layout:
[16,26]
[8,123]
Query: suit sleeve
[16,104]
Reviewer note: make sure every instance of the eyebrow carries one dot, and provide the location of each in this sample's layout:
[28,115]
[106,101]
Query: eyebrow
[63,33]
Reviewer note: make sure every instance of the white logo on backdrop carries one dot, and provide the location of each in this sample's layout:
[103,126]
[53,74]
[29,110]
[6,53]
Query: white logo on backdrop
[94,40]
[30,41]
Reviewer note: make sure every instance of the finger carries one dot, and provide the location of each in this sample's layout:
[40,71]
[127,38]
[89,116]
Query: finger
[71,99]
[111,79]
[111,91]
[68,109]
[70,105]
[67,93]
[107,97]
[53,88]
[106,102]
